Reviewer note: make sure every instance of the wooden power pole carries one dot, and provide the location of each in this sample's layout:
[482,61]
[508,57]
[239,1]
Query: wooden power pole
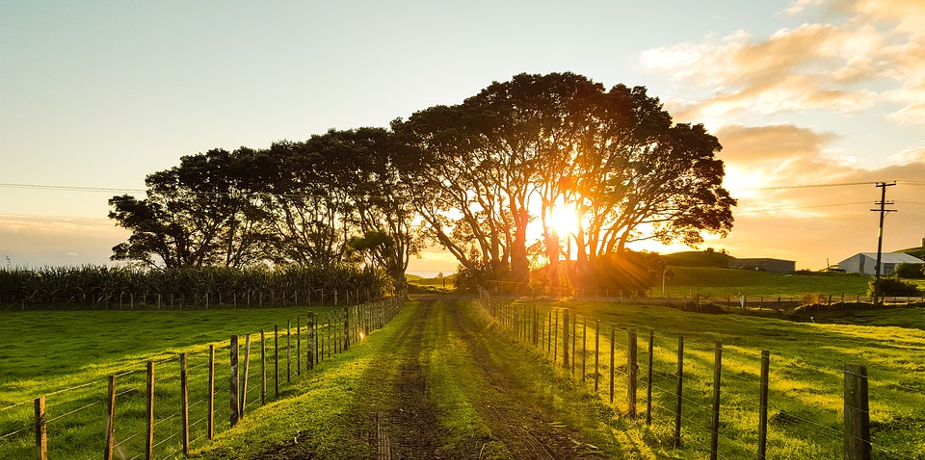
[883,211]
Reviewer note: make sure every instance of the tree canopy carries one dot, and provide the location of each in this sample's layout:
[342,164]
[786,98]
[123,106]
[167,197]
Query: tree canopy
[474,178]
[541,144]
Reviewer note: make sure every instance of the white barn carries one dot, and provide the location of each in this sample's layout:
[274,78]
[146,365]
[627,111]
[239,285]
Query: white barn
[866,262]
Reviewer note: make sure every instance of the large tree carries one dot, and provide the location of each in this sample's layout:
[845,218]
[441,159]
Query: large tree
[338,197]
[614,157]
[202,212]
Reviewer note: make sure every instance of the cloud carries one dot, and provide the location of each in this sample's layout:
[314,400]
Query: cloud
[810,224]
[869,52]
[777,155]
[37,241]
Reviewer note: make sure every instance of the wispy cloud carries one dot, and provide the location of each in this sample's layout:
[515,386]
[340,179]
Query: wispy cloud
[867,52]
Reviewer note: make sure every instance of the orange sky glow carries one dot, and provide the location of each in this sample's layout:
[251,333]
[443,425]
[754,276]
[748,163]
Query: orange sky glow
[800,93]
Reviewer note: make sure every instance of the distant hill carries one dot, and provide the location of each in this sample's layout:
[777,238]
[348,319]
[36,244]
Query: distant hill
[697,259]
[915,252]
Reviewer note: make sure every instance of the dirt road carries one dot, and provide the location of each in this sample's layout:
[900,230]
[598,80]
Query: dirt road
[444,387]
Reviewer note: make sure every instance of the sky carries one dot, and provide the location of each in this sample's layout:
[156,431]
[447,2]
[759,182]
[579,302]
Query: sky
[96,95]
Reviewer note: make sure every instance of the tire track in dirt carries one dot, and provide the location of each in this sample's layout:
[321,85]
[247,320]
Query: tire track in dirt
[410,420]
[519,424]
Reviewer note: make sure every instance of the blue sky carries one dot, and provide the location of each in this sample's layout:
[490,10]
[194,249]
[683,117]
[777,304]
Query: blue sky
[99,94]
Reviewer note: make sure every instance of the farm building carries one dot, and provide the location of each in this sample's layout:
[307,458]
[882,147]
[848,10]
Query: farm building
[764,264]
[866,262]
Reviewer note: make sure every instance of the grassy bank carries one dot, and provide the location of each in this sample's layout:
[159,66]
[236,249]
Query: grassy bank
[727,282]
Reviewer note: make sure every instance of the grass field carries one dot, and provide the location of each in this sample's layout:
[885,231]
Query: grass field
[726,282]
[436,284]
[55,350]
[68,355]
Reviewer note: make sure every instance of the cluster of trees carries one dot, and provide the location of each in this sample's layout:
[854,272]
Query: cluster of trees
[471,177]
[334,201]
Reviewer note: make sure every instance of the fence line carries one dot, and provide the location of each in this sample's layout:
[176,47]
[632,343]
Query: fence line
[170,433]
[694,405]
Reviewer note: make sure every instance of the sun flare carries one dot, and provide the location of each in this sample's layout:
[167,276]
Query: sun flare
[563,220]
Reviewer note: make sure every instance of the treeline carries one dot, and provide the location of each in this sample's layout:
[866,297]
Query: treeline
[470,177]
[202,287]
[332,202]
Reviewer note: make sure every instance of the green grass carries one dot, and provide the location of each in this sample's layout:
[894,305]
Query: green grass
[806,377]
[726,282]
[437,284]
[58,349]
[68,356]
[315,408]
[906,318]
[805,404]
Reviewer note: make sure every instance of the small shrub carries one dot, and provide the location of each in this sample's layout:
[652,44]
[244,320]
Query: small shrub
[894,287]
[910,271]
[816,297]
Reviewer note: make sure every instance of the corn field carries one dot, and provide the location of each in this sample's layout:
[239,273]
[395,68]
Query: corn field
[121,287]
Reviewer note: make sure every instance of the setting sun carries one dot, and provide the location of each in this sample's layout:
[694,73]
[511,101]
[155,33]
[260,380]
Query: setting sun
[563,220]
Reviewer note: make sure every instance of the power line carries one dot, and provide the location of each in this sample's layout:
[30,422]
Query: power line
[802,186]
[64,188]
[795,208]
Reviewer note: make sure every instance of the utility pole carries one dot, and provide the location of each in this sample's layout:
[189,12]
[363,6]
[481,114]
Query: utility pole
[883,211]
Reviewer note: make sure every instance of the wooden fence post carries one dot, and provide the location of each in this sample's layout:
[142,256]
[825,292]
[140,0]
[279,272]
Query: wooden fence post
[263,368]
[597,353]
[211,397]
[584,350]
[565,340]
[247,368]
[111,421]
[574,342]
[678,392]
[184,403]
[613,341]
[763,405]
[555,340]
[149,441]
[346,329]
[41,435]
[631,368]
[298,345]
[649,380]
[288,351]
[717,374]
[317,333]
[310,330]
[234,382]
[857,417]
[276,361]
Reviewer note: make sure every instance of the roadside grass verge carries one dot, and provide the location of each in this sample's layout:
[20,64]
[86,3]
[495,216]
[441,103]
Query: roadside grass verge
[313,410]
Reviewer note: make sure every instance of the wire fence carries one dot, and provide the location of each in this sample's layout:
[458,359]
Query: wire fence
[159,409]
[725,401]
[712,298]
